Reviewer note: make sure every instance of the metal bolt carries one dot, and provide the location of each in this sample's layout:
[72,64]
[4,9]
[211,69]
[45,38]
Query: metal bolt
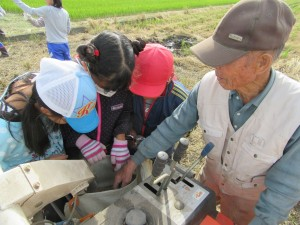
[38,204]
[36,185]
[27,169]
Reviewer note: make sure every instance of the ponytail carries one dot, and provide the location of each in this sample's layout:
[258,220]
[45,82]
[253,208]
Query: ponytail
[88,53]
[138,45]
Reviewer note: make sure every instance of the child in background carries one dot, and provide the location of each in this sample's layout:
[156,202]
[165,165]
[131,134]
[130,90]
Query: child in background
[3,50]
[156,93]
[56,20]
[33,106]
[109,59]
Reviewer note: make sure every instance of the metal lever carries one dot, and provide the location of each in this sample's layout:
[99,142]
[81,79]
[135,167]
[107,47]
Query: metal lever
[180,150]
[159,164]
[204,152]
[178,153]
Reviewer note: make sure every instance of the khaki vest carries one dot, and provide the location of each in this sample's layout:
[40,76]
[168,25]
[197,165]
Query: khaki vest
[249,152]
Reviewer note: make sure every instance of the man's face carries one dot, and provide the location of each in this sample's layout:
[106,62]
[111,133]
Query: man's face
[237,74]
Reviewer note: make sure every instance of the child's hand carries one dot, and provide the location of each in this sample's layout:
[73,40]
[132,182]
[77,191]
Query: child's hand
[27,16]
[57,157]
[92,150]
[119,153]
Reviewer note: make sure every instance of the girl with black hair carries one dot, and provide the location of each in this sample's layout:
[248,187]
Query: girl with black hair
[109,58]
[33,106]
[16,148]
[56,20]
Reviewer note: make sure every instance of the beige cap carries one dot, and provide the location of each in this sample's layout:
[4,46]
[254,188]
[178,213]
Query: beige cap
[250,25]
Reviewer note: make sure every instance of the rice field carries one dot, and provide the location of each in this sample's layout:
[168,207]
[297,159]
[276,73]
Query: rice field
[79,9]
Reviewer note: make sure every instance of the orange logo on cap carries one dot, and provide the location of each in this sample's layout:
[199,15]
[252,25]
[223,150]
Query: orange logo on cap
[86,109]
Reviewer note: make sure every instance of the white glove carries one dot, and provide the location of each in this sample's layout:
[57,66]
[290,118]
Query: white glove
[27,16]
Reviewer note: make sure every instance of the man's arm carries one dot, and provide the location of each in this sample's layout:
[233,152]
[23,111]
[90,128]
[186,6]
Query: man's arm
[183,119]
[283,186]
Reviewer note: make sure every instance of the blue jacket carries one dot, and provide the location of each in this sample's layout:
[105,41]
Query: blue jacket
[161,108]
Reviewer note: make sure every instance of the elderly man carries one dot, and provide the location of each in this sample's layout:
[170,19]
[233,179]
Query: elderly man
[250,111]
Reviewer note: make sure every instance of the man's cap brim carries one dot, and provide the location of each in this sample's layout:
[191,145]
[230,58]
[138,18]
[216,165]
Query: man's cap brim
[213,54]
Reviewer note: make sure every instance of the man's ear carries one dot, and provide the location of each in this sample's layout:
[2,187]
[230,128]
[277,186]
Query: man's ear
[264,63]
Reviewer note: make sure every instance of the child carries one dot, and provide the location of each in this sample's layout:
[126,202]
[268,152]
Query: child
[56,20]
[156,93]
[3,50]
[109,58]
[33,105]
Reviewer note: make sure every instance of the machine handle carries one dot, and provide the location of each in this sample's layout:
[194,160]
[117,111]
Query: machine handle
[159,163]
[207,149]
[180,149]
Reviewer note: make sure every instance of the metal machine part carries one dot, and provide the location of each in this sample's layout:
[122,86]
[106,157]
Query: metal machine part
[177,155]
[168,196]
[204,153]
[26,189]
[186,202]
[159,163]
[179,201]
[182,146]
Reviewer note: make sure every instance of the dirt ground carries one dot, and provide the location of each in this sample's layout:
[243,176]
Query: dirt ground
[177,30]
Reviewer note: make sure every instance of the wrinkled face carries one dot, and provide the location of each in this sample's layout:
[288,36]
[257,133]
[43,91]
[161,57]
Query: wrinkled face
[239,73]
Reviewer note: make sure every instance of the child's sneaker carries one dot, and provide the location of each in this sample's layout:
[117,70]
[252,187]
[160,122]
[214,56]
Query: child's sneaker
[4,52]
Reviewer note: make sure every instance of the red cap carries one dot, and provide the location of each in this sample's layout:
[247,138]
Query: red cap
[153,69]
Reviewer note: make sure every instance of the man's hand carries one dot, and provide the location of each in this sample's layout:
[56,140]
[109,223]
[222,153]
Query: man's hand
[124,175]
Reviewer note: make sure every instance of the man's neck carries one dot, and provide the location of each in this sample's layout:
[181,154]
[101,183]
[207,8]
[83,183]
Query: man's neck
[252,90]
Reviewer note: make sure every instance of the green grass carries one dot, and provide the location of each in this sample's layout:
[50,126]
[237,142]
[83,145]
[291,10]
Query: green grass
[103,8]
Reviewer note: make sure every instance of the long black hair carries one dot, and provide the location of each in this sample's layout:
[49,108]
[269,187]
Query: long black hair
[110,56]
[36,127]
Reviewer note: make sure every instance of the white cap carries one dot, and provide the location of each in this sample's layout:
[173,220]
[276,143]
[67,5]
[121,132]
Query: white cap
[68,90]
